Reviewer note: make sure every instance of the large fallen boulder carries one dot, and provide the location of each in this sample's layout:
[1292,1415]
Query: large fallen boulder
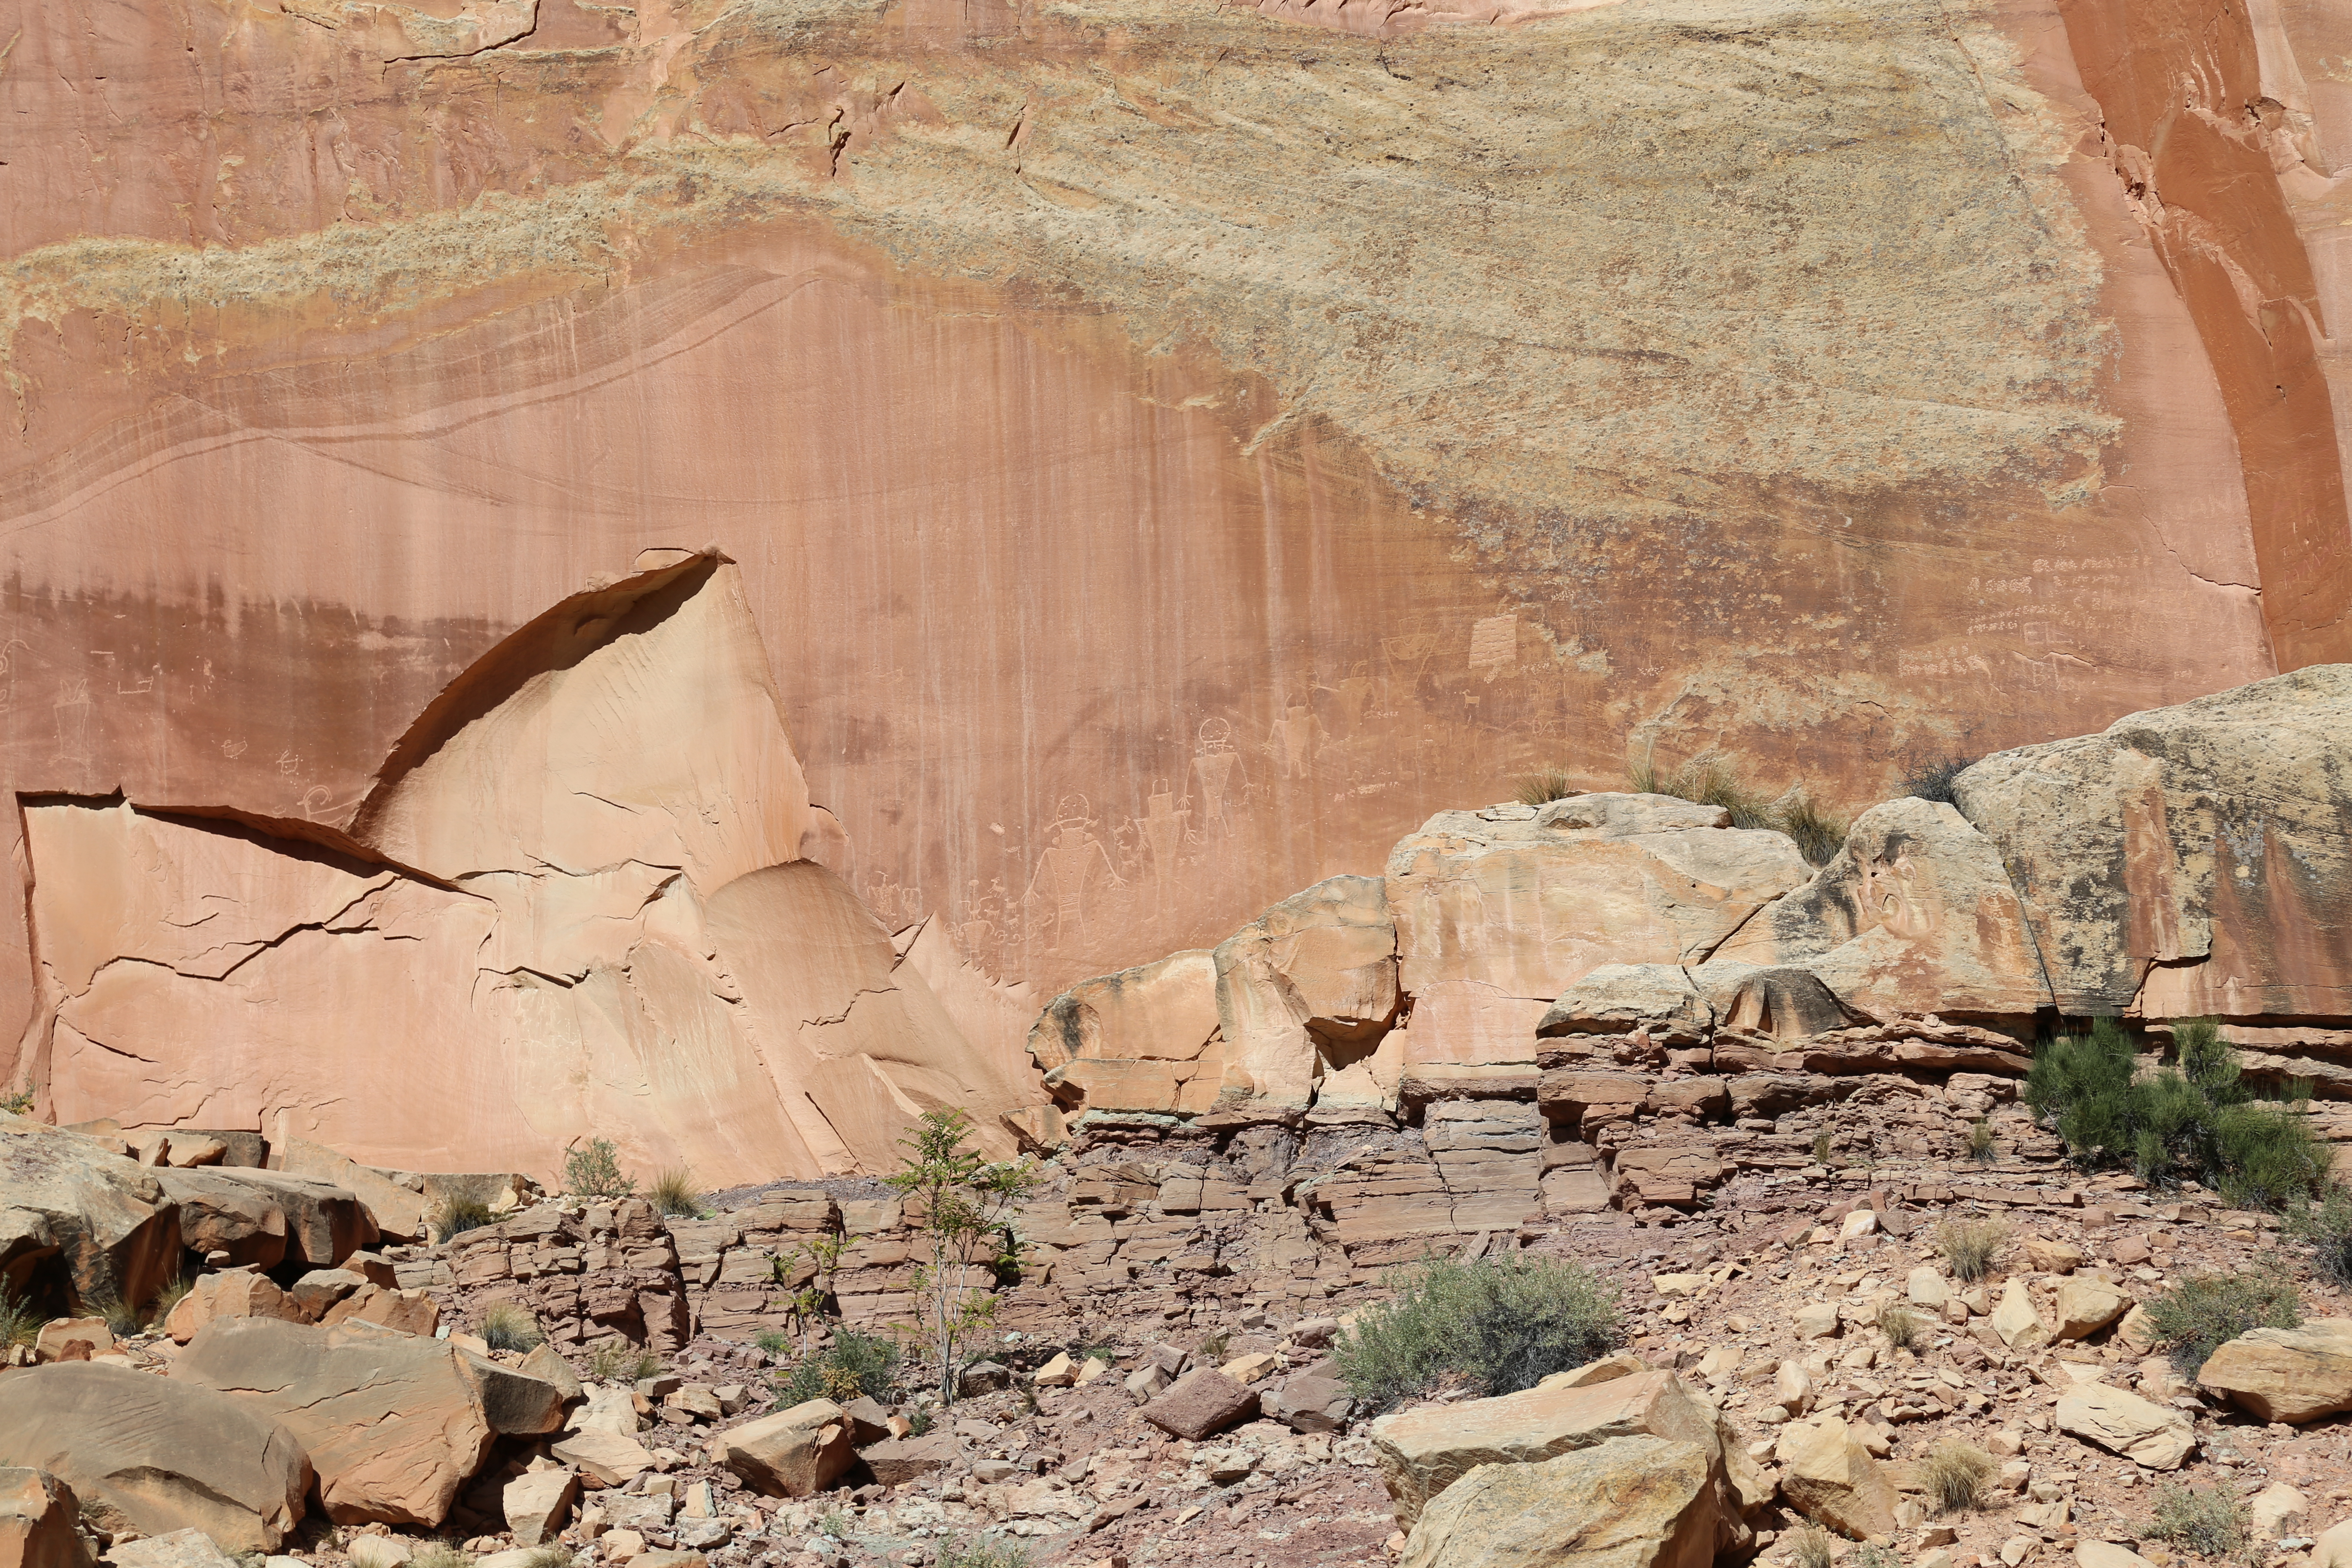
[1201,1403]
[1317,971]
[1630,1502]
[793,1453]
[397,1211]
[40,1522]
[394,1423]
[154,1455]
[2293,1375]
[250,1213]
[81,1225]
[1422,1452]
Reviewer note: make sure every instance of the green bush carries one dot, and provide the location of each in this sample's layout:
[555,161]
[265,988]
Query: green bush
[2194,1317]
[2326,1226]
[20,1324]
[1499,1324]
[1819,834]
[854,1364]
[2193,1120]
[595,1171]
[2211,1523]
[17,1101]
[982,1552]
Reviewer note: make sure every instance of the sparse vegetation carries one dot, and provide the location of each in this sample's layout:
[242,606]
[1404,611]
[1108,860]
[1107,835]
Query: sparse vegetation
[122,1317]
[1970,1246]
[1811,1547]
[980,1552]
[674,1193]
[552,1555]
[1819,834]
[508,1326]
[920,1422]
[619,1362]
[1211,1351]
[1499,1324]
[2194,1120]
[19,1322]
[966,1204]
[595,1171]
[2326,1226]
[1904,1329]
[457,1214]
[175,1291]
[440,1554]
[834,1523]
[1956,1474]
[1980,1142]
[1931,777]
[1823,1142]
[2211,1522]
[1711,780]
[775,1341]
[854,1364]
[1543,788]
[19,1101]
[2194,1317]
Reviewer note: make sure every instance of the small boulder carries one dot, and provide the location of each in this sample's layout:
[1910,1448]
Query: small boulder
[2052,1257]
[2015,1320]
[236,1294]
[408,1311]
[1059,1372]
[547,1364]
[321,1289]
[1148,1380]
[379,1552]
[2274,1508]
[868,1422]
[1253,1368]
[2086,1305]
[609,1458]
[2108,1554]
[1829,1476]
[39,1523]
[1636,1502]
[1792,1388]
[1624,1363]
[73,1338]
[793,1453]
[1816,1320]
[982,1377]
[1200,1404]
[2291,1376]
[2155,1435]
[537,1502]
[899,1460]
[1308,1401]
[1927,1288]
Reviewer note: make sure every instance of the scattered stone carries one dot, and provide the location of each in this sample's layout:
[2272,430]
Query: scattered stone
[1201,1403]
[2273,1508]
[537,1502]
[793,1453]
[73,1338]
[1828,1476]
[1637,1502]
[2015,1320]
[2086,1305]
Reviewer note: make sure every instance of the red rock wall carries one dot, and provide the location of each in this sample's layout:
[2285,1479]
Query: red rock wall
[1171,450]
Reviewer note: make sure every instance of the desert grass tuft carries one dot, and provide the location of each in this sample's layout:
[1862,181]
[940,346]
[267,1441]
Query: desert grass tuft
[1971,1246]
[1543,788]
[2211,1523]
[1957,1475]
[1981,1148]
[1811,1547]
[1904,1329]
[509,1326]
[676,1195]
[621,1362]
[457,1214]
[438,1555]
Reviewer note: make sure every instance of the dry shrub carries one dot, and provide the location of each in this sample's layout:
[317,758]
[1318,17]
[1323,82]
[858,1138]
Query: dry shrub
[1956,1475]
[1970,1246]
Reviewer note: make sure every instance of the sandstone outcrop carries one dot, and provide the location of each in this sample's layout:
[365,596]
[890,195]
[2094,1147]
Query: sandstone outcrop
[1644,1502]
[268,1218]
[1305,993]
[2185,862]
[78,1221]
[392,1423]
[577,875]
[157,1454]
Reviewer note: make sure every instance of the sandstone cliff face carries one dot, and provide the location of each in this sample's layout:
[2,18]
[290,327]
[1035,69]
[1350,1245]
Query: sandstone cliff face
[1181,446]
[573,904]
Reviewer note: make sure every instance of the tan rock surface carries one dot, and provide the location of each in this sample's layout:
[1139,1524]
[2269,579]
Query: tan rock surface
[1305,990]
[1829,1476]
[392,1423]
[157,1454]
[233,1293]
[2155,1435]
[793,1453]
[81,1222]
[1637,1502]
[1499,911]
[314,1223]
[2146,883]
[1143,1039]
[632,900]
[1422,1452]
[40,1524]
[2293,1375]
